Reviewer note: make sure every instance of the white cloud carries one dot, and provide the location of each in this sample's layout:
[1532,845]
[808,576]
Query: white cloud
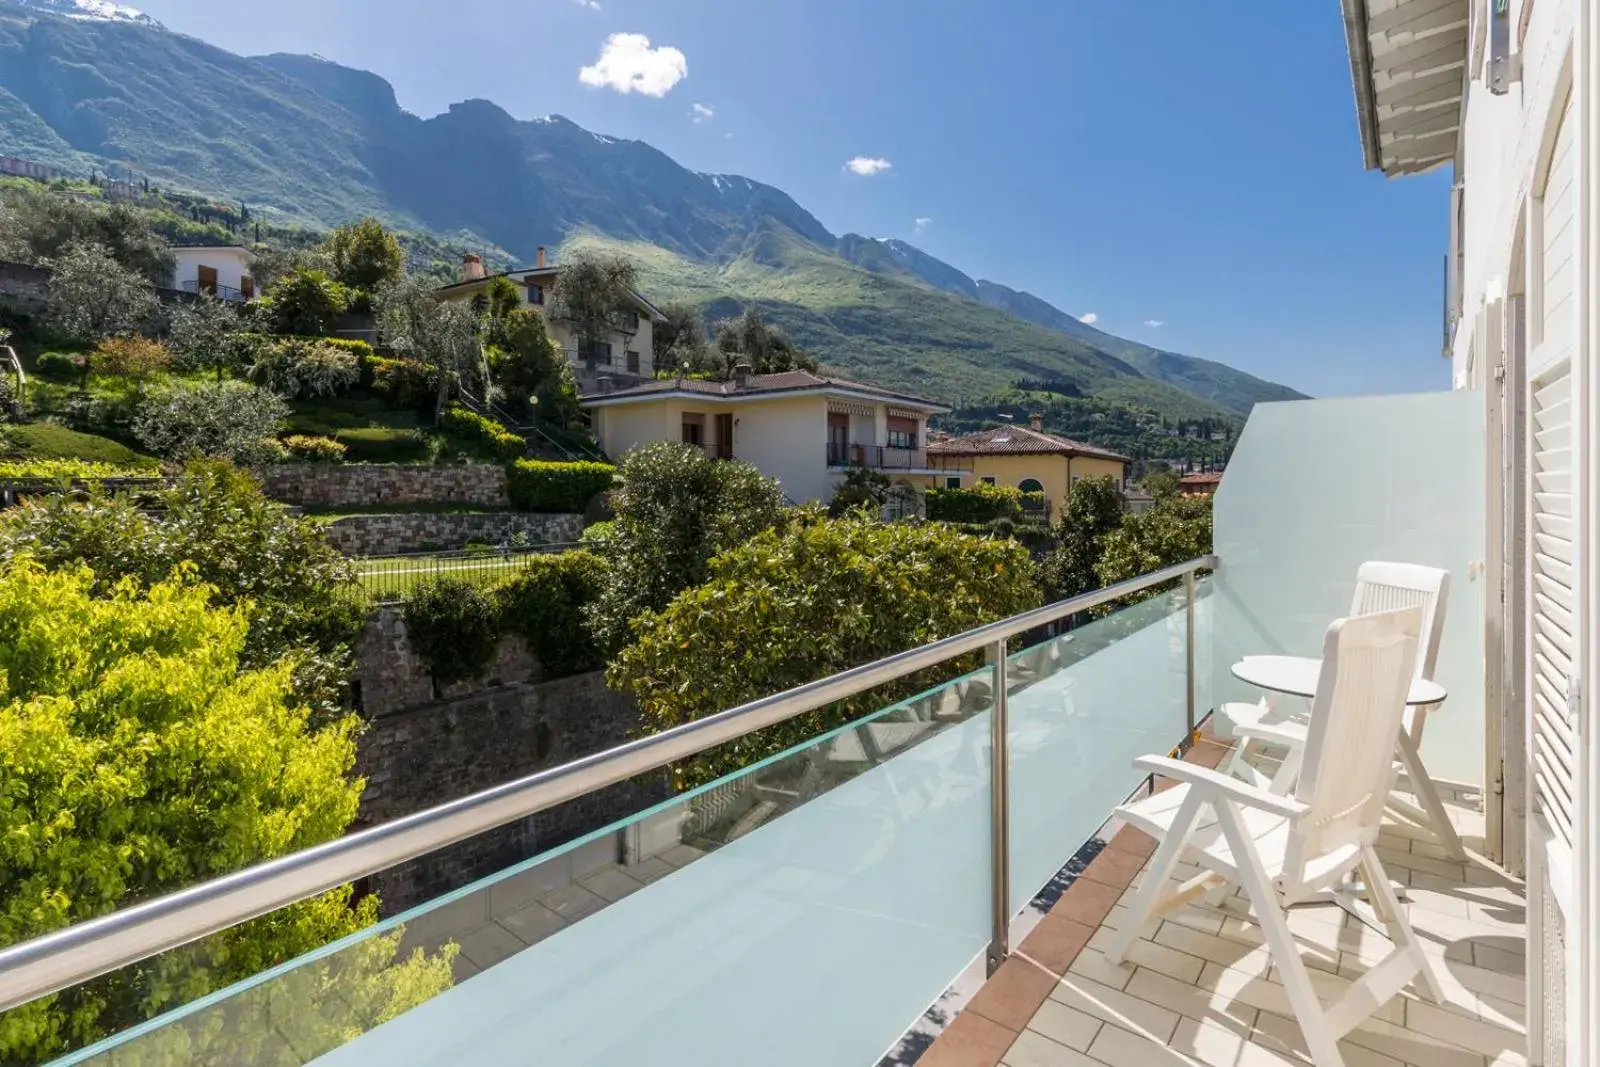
[1089,318]
[628,64]
[592,5]
[867,166]
[701,112]
[1155,324]
[922,224]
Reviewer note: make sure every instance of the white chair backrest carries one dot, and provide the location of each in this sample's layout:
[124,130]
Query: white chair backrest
[1367,665]
[1386,586]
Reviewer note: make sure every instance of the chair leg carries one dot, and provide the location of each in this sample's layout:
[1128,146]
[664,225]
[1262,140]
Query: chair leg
[1156,875]
[1381,893]
[1320,1039]
[1438,817]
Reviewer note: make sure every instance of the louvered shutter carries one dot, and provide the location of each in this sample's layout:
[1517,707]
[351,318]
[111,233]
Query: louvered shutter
[1552,606]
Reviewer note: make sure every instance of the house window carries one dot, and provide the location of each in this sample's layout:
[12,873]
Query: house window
[952,483]
[595,352]
[630,321]
[1030,485]
[988,479]
[247,287]
[902,432]
[536,294]
[633,362]
[694,430]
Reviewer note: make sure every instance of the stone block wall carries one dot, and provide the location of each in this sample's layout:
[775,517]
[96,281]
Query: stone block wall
[23,285]
[370,485]
[425,745]
[387,535]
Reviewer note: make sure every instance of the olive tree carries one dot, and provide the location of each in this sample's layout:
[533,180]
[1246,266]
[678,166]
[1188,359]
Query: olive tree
[417,324]
[592,294]
[230,420]
[90,296]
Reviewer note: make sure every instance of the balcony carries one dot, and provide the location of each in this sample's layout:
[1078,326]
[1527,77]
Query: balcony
[934,882]
[877,457]
[221,292]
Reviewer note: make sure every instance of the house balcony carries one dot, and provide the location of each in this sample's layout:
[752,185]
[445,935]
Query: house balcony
[877,457]
[935,882]
[221,292]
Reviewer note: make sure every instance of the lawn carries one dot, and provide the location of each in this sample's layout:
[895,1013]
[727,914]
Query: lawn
[49,440]
[392,577]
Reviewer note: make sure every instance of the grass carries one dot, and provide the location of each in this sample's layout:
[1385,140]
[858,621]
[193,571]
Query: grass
[49,440]
[392,577]
[331,513]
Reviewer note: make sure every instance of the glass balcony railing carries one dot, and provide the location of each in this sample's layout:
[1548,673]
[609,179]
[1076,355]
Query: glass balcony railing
[806,909]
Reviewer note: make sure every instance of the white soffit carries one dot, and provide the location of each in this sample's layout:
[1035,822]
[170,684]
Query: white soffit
[1408,61]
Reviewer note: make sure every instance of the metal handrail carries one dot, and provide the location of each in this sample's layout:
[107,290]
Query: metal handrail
[89,949]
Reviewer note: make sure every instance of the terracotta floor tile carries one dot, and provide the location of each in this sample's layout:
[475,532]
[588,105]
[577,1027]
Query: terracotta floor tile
[1013,993]
[1133,840]
[970,1041]
[1115,868]
[1056,942]
[1087,901]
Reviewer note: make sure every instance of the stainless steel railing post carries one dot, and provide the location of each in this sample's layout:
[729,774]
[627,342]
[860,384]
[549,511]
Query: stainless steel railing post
[999,815]
[1188,651]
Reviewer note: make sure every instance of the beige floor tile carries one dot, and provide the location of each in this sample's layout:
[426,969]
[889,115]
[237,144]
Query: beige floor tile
[651,870]
[1192,1001]
[1114,1006]
[1500,958]
[573,903]
[681,855]
[1116,1047]
[533,924]
[610,883]
[1032,1049]
[489,945]
[1064,1025]
[1284,1037]
[1451,1026]
[1091,963]
[1167,959]
[1269,996]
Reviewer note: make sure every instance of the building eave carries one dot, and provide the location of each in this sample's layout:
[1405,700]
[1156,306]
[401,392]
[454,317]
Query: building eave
[1408,70]
[599,400]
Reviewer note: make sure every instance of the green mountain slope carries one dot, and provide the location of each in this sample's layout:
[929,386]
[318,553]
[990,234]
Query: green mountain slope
[887,329]
[302,139]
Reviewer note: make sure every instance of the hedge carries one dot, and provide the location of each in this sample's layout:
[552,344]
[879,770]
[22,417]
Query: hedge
[540,485]
[405,383]
[980,503]
[69,469]
[470,426]
[305,448]
[456,625]
[61,366]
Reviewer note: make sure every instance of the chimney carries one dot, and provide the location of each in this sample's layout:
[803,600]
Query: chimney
[471,267]
[741,374]
[539,259]
[605,383]
[1036,421]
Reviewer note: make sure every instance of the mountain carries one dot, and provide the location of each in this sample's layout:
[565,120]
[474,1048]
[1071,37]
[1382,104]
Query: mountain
[87,85]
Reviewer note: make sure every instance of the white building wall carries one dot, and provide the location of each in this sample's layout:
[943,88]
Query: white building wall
[231,264]
[787,439]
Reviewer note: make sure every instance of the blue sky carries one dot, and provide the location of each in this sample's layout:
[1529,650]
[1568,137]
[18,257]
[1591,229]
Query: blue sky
[1148,161]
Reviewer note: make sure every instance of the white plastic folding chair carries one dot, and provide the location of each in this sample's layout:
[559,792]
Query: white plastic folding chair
[1284,850]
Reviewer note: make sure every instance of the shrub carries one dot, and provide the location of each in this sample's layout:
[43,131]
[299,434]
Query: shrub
[227,419]
[405,383]
[306,303]
[977,503]
[61,366]
[805,601]
[130,357]
[304,368]
[76,470]
[556,487]
[470,426]
[357,348]
[365,256]
[546,604]
[1173,530]
[144,755]
[304,448]
[454,625]
[676,509]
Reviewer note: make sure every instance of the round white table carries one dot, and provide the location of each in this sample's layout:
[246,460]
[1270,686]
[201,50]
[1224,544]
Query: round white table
[1298,676]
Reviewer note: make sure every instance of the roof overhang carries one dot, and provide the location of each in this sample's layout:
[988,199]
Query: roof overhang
[1408,62]
[601,400]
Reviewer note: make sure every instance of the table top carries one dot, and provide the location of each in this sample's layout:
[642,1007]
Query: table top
[1298,676]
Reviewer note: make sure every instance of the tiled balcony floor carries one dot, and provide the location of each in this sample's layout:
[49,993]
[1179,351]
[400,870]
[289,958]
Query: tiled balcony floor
[1198,987]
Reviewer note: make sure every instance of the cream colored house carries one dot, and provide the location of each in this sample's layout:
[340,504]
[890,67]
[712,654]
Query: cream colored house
[224,271]
[801,428]
[624,358]
[1026,458]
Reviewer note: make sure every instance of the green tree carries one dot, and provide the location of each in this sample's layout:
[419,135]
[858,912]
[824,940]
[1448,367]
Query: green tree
[679,342]
[1093,511]
[1161,482]
[90,296]
[212,334]
[365,256]
[307,302]
[227,420]
[419,325]
[675,510]
[862,487]
[805,601]
[1175,529]
[766,348]
[593,293]
[39,226]
[137,757]
[534,373]
[504,297]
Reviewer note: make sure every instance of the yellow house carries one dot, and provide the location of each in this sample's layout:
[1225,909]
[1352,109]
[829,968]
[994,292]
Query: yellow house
[1026,458]
[624,357]
[801,428]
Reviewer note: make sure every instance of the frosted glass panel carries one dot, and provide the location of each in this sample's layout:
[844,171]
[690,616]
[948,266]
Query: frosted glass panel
[1317,487]
[805,911]
[1083,707]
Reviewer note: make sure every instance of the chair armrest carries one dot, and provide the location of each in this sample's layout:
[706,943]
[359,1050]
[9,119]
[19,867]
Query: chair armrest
[1293,734]
[1217,784]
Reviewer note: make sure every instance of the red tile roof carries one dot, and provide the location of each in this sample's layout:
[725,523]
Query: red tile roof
[1202,478]
[1017,441]
[788,381]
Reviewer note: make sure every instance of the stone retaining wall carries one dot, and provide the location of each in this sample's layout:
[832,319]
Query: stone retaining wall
[23,285]
[369,485]
[388,535]
[425,745]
